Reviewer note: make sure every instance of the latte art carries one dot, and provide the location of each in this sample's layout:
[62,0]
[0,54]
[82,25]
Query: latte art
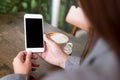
[59,39]
[62,40]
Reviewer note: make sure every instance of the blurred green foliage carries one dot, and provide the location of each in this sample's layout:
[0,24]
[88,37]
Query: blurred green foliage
[64,8]
[28,6]
[38,7]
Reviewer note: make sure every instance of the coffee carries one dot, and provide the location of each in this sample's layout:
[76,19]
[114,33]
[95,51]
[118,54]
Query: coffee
[58,37]
[62,40]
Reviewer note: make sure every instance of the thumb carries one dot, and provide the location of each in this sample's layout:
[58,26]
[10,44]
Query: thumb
[48,40]
[28,57]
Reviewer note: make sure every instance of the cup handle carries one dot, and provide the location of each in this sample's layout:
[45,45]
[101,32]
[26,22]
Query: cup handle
[68,48]
[69,44]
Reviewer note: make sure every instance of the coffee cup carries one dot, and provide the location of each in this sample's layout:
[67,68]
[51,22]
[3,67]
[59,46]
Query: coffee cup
[62,40]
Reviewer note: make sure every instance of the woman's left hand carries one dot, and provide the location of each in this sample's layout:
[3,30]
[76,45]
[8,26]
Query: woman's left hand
[22,63]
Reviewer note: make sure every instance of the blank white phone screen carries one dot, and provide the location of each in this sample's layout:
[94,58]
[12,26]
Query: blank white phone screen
[34,33]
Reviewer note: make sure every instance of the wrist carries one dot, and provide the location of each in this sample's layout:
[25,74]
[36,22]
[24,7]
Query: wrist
[23,72]
[63,60]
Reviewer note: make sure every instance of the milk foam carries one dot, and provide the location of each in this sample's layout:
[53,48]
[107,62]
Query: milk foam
[59,39]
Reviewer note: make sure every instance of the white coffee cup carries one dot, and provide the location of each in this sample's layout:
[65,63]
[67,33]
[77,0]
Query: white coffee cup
[62,40]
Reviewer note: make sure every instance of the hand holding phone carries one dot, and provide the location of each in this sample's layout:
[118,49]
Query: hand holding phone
[33,28]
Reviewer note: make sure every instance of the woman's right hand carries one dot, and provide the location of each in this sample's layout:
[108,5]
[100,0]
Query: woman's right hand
[53,53]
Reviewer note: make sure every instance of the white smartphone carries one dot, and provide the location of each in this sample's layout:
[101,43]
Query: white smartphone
[33,30]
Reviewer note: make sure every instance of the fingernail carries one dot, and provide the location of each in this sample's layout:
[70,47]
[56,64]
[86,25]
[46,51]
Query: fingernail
[29,52]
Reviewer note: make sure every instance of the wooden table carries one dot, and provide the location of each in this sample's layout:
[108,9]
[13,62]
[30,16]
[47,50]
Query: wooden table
[12,41]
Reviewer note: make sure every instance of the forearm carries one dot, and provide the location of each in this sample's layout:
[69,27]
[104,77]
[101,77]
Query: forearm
[15,77]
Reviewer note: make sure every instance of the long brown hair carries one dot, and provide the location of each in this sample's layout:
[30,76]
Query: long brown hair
[104,15]
[91,41]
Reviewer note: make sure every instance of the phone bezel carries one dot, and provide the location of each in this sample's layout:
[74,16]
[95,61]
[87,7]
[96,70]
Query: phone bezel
[34,16]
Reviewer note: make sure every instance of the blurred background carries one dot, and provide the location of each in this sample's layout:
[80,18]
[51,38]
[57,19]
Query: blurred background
[53,11]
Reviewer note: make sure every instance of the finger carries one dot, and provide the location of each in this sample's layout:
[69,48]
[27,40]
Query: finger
[34,56]
[33,69]
[28,57]
[35,65]
[48,40]
[21,54]
[43,55]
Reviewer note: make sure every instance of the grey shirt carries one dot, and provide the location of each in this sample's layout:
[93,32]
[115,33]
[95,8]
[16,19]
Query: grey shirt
[100,64]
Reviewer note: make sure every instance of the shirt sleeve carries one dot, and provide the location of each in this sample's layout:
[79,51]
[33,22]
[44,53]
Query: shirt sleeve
[72,63]
[15,77]
[77,74]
